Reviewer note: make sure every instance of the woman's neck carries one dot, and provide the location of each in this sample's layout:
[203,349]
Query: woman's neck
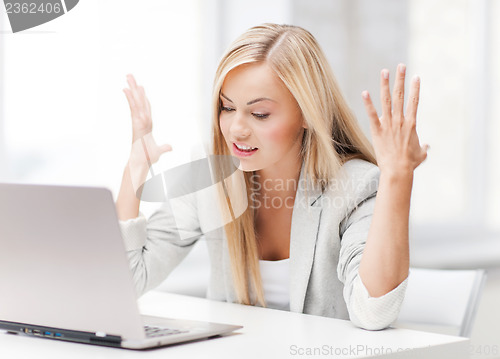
[280,180]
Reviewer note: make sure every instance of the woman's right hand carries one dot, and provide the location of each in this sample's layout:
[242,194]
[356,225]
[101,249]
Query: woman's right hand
[144,151]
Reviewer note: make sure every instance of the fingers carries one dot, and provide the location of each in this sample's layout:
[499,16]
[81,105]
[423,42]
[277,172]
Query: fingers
[131,93]
[411,108]
[130,99]
[136,96]
[385,95]
[398,94]
[133,88]
[371,111]
[144,100]
[131,82]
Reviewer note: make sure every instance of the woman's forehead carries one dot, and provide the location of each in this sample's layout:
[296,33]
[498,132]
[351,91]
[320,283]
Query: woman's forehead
[250,81]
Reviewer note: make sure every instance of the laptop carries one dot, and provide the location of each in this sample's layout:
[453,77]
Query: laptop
[64,272]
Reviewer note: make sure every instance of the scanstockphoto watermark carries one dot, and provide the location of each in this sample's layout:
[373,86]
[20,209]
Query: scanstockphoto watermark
[214,170]
[340,192]
[216,183]
[339,183]
[348,350]
[198,175]
[27,14]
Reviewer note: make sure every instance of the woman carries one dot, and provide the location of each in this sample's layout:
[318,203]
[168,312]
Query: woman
[335,241]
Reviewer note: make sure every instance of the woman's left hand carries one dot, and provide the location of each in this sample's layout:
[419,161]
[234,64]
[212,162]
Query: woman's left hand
[394,135]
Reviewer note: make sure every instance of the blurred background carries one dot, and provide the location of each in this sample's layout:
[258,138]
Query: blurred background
[65,120]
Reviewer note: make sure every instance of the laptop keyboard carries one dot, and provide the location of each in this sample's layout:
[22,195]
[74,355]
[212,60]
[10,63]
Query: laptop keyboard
[152,332]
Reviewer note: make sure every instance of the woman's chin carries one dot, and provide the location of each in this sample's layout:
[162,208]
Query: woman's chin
[246,167]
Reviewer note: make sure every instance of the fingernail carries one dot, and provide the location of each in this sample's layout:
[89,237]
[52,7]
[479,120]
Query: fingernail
[385,73]
[364,94]
[416,78]
[402,68]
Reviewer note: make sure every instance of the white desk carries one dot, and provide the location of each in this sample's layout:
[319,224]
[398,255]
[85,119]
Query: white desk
[267,333]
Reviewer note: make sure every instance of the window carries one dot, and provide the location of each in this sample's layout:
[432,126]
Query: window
[65,117]
[452,43]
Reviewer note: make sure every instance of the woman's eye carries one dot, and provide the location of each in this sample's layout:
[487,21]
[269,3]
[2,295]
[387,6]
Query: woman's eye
[260,115]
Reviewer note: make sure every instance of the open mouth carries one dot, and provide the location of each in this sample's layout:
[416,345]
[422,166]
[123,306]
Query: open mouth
[241,150]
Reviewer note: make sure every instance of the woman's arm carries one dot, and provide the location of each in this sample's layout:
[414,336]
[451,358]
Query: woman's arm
[385,261]
[155,246]
[144,151]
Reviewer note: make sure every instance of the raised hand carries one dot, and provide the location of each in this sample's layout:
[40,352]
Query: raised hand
[394,135]
[386,257]
[144,147]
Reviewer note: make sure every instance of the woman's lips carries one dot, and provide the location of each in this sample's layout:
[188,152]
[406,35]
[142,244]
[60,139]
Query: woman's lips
[242,153]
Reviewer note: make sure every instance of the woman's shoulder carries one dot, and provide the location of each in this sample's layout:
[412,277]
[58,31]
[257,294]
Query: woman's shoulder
[360,173]
[357,180]
[357,168]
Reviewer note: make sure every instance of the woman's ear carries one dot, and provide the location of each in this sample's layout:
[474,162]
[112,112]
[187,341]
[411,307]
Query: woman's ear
[304,123]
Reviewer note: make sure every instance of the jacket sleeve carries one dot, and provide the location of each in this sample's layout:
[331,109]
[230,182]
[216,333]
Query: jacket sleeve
[156,246]
[367,312]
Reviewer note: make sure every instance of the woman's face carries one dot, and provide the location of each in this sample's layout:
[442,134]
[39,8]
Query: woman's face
[260,114]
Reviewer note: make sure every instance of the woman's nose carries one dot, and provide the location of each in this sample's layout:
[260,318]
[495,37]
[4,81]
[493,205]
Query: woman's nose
[239,127]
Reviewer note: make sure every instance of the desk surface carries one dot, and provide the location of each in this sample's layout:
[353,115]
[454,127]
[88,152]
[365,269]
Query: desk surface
[267,333]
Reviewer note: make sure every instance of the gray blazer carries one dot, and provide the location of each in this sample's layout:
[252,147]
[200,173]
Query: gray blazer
[328,234]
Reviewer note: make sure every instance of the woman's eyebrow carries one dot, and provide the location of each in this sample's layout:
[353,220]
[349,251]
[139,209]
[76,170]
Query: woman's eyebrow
[251,102]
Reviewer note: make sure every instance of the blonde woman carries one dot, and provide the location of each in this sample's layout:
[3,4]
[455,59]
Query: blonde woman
[324,230]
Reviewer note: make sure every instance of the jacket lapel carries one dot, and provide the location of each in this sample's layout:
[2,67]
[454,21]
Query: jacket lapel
[305,225]
[304,231]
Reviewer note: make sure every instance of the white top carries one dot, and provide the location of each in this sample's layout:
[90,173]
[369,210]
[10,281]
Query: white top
[276,283]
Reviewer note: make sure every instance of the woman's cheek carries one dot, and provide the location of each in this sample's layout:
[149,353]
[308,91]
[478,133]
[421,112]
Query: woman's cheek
[279,135]
[223,124]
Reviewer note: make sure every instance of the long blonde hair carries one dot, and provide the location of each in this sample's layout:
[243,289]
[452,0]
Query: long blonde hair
[332,136]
